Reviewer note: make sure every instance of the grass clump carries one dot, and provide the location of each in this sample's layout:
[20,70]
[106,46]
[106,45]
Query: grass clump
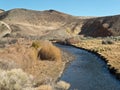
[14,79]
[49,52]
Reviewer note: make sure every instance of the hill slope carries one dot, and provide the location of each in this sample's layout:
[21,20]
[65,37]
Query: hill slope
[32,22]
[33,17]
[49,23]
[102,26]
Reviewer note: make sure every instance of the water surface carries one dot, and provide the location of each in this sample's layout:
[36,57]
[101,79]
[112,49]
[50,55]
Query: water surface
[88,72]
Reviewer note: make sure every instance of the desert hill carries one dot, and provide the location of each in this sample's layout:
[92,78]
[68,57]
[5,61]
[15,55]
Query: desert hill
[47,17]
[23,43]
[102,26]
[54,24]
[32,22]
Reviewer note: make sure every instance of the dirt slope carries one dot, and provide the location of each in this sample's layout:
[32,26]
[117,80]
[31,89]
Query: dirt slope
[102,26]
[49,23]
[32,22]
[33,17]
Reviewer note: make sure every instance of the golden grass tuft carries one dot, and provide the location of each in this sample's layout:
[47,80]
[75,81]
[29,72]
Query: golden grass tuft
[27,57]
[49,52]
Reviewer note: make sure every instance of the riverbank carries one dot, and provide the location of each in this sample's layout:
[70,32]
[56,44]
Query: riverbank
[109,52]
[22,56]
[88,70]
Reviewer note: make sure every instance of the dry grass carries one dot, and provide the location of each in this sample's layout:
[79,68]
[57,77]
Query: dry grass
[26,57]
[47,51]
[50,52]
[109,51]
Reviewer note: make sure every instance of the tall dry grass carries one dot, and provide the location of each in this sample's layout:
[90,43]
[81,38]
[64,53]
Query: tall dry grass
[47,51]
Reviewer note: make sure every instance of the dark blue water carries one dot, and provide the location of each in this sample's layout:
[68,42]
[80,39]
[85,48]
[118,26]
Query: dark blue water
[88,72]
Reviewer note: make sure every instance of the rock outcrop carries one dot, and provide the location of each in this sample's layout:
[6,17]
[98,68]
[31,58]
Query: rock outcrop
[102,26]
[54,24]
[4,29]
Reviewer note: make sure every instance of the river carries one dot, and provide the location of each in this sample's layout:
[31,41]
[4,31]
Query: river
[88,72]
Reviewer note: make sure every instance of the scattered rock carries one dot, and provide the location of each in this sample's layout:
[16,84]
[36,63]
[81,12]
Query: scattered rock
[63,85]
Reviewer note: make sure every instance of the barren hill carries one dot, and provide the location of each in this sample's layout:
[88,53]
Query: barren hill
[32,22]
[55,24]
[47,17]
[102,26]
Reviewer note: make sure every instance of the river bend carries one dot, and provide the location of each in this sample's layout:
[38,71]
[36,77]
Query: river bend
[88,72]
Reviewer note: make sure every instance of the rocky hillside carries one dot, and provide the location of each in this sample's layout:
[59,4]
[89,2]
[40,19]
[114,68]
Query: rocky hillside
[48,17]
[102,26]
[54,24]
[38,23]
[4,29]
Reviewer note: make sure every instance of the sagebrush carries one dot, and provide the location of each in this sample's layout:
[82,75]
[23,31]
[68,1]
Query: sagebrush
[15,79]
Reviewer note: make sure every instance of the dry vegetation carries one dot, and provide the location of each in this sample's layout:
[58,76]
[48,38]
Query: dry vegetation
[107,48]
[47,51]
[42,59]
[25,55]
[15,79]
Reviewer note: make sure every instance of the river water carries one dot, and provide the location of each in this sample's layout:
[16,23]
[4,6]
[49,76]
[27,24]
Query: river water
[88,72]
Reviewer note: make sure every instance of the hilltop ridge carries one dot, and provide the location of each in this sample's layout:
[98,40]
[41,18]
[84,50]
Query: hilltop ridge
[102,26]
[59,25]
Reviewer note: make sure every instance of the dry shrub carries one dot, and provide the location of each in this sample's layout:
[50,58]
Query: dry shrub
[40,43]
[49,52]
[46,50]
[7,65]
[15,79]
